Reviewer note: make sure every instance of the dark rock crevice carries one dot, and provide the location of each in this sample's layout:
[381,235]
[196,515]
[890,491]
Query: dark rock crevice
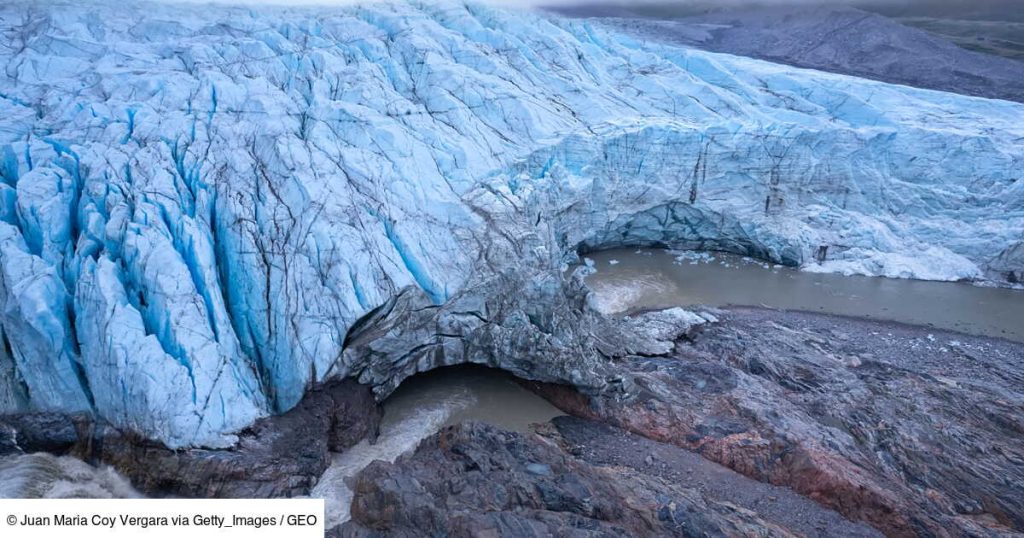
[280,456]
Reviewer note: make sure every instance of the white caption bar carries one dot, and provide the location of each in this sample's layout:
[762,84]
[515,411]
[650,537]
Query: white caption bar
[157,518]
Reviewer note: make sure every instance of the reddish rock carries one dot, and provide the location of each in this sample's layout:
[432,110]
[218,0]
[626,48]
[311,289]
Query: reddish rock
[475,480]
[873,419]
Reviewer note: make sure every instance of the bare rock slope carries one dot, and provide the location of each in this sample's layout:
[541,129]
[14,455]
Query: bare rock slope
[914,431]
[842,40]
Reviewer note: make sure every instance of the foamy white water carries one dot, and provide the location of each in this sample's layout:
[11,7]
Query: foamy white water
[45,476]
[400,432]
[420,407]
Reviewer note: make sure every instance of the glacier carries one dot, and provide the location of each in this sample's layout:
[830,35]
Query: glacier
[201,210]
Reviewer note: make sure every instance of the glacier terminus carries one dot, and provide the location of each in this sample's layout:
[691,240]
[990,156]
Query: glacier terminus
[204,213]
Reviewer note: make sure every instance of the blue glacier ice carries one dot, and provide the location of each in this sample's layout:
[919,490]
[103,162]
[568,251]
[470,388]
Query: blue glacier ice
[196,205]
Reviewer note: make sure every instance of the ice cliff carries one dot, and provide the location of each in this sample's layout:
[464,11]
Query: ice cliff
[198,204]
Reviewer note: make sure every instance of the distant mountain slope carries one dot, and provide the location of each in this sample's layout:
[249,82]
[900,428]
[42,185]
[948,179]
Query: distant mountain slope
[841,40]
[975,10]
[1000,38]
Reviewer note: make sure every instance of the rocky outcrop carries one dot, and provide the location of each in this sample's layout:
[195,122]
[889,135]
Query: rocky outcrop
[46,432]
[1009,264]
[911,430]
[612,449]
[475,480]
[544,331]
[281,456]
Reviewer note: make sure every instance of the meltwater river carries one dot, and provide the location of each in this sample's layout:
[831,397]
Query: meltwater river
[421,406]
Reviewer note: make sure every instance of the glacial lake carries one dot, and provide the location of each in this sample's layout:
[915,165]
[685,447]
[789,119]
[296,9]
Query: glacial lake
[630,280]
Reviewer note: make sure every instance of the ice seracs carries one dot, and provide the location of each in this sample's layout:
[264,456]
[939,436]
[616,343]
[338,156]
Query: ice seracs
[197,205]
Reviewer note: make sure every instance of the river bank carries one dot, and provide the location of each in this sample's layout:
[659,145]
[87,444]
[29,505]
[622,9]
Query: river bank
[734,420]
[908,430]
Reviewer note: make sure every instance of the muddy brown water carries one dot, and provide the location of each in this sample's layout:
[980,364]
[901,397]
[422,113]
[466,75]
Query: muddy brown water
[422,405]
[628,280]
